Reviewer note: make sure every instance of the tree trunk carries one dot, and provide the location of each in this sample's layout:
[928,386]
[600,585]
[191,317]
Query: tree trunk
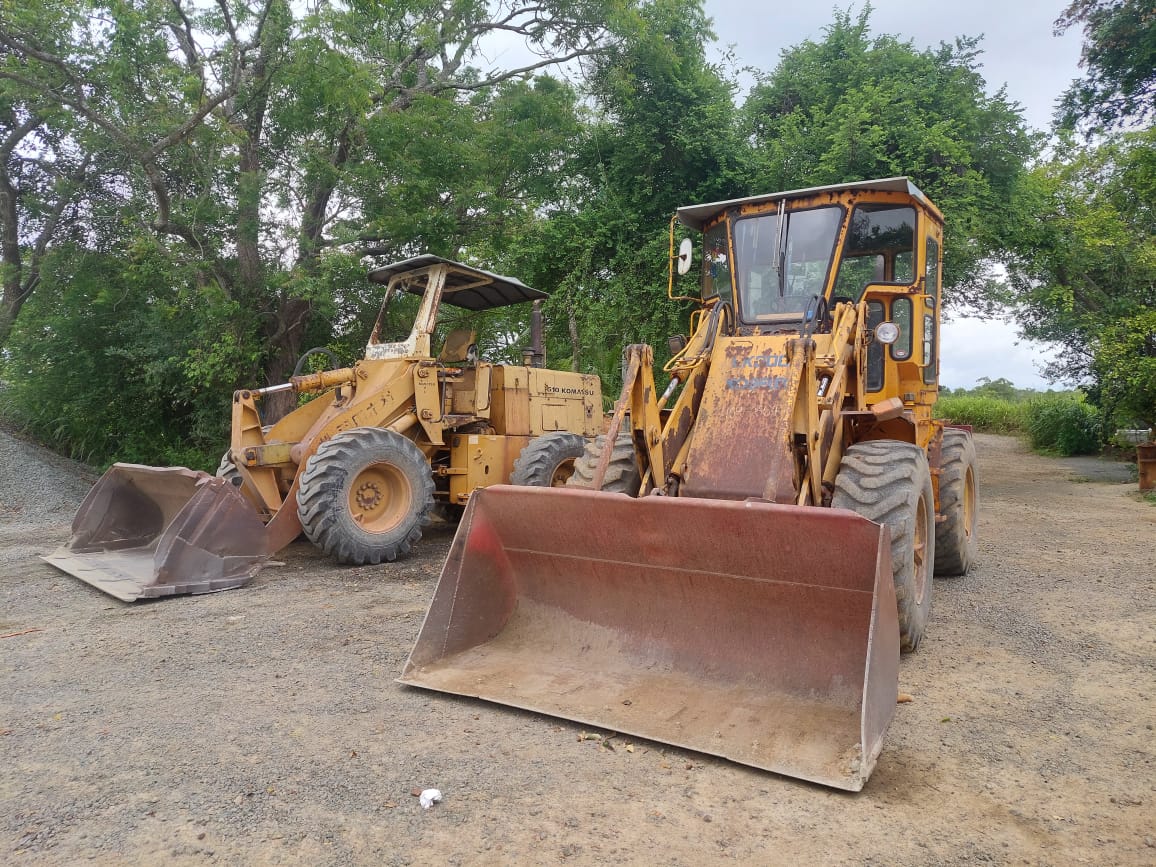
[284,343]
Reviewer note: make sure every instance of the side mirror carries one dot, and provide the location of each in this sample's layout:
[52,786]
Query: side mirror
[675,344]
[685,256]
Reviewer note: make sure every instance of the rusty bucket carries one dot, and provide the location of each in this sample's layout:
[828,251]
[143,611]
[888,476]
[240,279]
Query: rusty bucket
[762,633]
[145,532]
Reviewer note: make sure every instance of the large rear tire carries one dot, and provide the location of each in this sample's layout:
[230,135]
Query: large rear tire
[548,461]
[889,482]
[622,475]
[365,495]
[955,539]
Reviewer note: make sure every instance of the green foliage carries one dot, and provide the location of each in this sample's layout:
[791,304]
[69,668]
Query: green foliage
[664,133]
[1124,365]
[1082,269]
[258,152]
[113,358]
[1001,388]
[246,164]
[1064,425]
[985,413]
[1119,59]
[856,106]
[1061,423]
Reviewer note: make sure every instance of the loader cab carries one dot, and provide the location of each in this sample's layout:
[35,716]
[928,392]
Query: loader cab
[439,281]
[784,260]
[774,257]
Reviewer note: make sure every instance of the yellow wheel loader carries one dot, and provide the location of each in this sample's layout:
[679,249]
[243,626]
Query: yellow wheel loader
[359,467]
[737,563]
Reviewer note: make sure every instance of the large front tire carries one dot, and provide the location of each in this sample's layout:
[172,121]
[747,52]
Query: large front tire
[365,495]
[548,461]
[955,539]
[889,482]
[622,475]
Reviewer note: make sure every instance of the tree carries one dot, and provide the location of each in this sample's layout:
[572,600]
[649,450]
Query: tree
[42,174]
[663,133]
[853,107]
[240,126]
[1119,59]
[262,149]
[1082,267]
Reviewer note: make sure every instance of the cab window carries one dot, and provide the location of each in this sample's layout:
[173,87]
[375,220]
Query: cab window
[930,318]
[880,248]
[716,266]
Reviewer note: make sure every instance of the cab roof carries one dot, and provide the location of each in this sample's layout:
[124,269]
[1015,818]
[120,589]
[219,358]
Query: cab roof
[697,216]
[467,287]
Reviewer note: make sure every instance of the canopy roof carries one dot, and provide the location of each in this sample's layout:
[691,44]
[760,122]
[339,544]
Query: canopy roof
[697,216]
[466,286]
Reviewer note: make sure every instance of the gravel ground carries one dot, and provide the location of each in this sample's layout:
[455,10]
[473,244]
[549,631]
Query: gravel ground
[263,726]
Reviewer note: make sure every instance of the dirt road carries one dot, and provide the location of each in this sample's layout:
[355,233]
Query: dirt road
[263,726]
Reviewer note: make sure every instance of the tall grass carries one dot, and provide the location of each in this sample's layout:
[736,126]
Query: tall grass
[1056,423]
[985,413]
[1064,424]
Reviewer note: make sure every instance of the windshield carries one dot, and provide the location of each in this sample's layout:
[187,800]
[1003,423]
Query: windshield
[780,272]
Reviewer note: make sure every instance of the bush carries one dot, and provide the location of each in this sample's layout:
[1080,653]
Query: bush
[1065,425]
[984,413]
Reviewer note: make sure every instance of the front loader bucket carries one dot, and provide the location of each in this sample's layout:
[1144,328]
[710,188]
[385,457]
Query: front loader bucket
[762,633]
[144,532]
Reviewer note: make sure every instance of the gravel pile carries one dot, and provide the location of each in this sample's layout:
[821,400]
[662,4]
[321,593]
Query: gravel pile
[39,493]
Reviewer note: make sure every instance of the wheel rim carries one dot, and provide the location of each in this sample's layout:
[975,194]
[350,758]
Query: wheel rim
[968,504]
[919,550]
[562,471]
[379,498]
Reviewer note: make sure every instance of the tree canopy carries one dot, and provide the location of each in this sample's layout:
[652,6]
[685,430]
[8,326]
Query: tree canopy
[1119,59]
[191,191]
[1082,267]
[856,106]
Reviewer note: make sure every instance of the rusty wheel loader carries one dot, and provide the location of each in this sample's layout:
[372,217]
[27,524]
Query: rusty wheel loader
[359,467]
[755,544]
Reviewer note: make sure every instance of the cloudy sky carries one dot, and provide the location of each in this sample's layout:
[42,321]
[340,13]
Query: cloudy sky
[1019,52]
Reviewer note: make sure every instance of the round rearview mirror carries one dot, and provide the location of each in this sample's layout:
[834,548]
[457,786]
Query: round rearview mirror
[685,254]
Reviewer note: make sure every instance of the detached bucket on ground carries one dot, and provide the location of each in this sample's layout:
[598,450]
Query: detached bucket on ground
[762,633]
[145,532]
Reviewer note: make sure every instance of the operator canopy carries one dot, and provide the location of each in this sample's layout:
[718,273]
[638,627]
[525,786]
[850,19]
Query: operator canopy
[467,287]
[697,216]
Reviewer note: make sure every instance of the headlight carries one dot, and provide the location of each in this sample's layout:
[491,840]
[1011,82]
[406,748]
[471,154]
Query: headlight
[887,332]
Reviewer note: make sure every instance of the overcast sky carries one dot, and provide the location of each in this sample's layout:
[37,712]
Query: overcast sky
[1019,51]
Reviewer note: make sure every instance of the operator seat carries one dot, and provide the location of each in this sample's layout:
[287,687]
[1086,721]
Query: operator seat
[460,347]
